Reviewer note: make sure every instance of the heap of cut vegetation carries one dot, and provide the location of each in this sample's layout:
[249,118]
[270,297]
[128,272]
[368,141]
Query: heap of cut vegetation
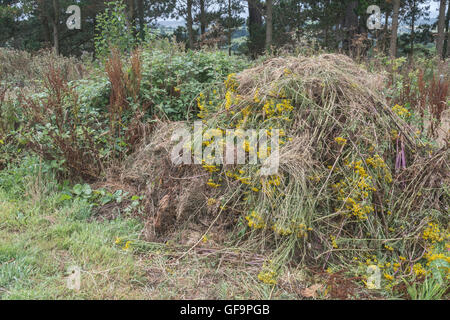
[356,182]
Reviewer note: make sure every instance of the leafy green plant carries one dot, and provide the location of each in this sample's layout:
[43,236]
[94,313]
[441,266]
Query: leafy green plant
[113,30]
[430,289]
[173,79]
[59,128]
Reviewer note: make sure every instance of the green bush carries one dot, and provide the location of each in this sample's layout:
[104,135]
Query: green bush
[113,31]
[172,79]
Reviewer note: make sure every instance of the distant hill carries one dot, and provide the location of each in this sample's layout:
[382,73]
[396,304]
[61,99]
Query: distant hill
[405,28]
[171,23]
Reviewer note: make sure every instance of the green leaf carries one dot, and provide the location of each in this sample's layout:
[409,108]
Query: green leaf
[64,197]
[78,189]
[87,189]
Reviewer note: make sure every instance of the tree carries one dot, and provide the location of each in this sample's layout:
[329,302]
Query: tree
[441,30]
[202,17]
[185,8]
[189,23]
[394,34]
[447,40]
[131,14]
[255,28]
[350,22]
[414,11]
[55,25]
[269,26]
[228,15]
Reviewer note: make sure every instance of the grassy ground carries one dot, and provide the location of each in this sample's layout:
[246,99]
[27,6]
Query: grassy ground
[40,239]
[39,242]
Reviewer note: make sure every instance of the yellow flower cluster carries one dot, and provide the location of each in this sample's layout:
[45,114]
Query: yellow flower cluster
[228,100]
[201,104]
[355,192]
[315,178]
[401,111]
[231,83]
[274,180]
[377,162]
[394,134]
[127,245]
[419,270]
[255,221]
[246,146]
[433,233]
[435,250]
[256,96]
[388,277]
[275,107]
[302,231]
[238,177]
[299,229]
[281,231]
[268,277]
[357,166]
[212,184]
[396,266]
[430,256]
[333,242]
[271,108]
[341,141]
[210,168]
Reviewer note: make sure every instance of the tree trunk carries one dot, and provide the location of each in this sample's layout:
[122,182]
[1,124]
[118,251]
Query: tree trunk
[393,46]
[447,40]
[202,17]
[229,27]
[189,24]
[55,22]
[441,30]
[386,30]
[350,22]
[140,10]
[44,21]
[254,26]
[269,26]
[254,12]
[131,16]
[413,28]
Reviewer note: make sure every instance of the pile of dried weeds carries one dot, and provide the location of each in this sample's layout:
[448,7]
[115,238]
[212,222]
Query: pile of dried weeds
[174,195]
[354,178]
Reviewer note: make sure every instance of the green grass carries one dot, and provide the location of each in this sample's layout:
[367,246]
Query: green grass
[40,241]
[39,245]
[42,237]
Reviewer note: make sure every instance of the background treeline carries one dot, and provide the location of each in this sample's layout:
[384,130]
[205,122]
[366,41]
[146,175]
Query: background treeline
[248,27]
